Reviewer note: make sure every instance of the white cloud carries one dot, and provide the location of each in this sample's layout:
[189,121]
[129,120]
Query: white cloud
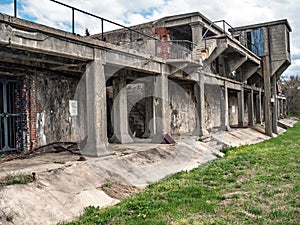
[235,12]
[7,8]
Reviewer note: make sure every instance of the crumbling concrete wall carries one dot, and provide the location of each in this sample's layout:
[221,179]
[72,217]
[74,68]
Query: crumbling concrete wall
[48,108]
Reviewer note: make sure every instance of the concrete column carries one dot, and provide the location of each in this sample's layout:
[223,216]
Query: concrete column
[120,112]
[241,109]
[97,143]
[284,108]
[196,31]
[258,108]
[149,86]
[281,114]
[275,105]
[267,96]
[225,107]
[161,105]
[200,97]
[251,108]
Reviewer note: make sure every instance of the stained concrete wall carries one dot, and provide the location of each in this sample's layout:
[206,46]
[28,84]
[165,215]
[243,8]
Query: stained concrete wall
[233,109]
[213,106]
[48,108]
[182,108]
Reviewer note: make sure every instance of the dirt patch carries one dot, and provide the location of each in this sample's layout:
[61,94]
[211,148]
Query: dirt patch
[118,190]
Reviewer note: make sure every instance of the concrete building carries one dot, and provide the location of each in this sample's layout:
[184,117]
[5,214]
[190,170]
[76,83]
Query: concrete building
[179,75]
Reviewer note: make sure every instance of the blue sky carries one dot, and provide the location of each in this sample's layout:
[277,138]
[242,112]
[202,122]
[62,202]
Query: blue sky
[235,12]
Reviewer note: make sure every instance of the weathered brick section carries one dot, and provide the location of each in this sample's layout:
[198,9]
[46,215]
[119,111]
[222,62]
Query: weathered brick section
[47,108]
[163,47]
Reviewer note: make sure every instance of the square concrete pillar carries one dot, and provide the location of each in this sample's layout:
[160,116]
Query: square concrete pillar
[161,112]
[241,108]
[258,107]
[196,31]
[284,108]
[149,106]
[274,105]
[200,129]
[267,96]
[161,105]
[226,107]
[120,111]
[97,143]
[251,108]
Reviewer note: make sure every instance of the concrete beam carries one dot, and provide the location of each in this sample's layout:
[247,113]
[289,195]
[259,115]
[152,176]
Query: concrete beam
[235,62]
[44,43]
[134,62]
[248,71]
[221,47]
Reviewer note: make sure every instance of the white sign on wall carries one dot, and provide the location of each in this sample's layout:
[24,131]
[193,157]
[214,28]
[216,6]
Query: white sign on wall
[73,107]
[233,109]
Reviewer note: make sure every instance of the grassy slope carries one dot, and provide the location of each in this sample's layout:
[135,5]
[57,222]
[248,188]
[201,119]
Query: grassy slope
[256,184]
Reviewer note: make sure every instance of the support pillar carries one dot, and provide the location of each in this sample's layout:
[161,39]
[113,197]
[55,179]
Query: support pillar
[267,96]
[200,129]
[161,105]
[149,86]
[120,111]
[97,143]
[251,108]
[275,105]
[284,108]
[196,32]
[258,108]
[225,107]
[241,109]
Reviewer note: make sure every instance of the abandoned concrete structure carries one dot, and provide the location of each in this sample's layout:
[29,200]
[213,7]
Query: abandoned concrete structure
[182,74]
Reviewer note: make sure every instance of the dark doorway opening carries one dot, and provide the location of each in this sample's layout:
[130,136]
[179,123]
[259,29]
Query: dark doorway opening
[12,115]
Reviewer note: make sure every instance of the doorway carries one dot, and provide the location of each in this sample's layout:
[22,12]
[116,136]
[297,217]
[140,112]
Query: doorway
[12,119]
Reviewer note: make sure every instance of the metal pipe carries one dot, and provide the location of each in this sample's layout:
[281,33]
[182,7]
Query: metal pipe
[102,30]
[73,20]
[15,8]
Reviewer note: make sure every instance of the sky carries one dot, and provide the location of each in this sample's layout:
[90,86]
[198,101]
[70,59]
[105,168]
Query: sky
[132,12]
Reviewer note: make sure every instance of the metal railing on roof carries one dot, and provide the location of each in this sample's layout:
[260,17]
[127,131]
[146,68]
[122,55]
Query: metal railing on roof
[174,46]
[224,27]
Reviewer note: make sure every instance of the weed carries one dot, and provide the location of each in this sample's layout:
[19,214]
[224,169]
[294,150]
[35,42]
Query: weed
[107,185]
[19,178]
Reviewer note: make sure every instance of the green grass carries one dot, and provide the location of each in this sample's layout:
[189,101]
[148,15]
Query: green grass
[254,184]
[19,178]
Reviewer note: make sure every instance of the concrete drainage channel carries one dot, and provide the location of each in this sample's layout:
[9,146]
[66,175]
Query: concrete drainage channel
[63,186]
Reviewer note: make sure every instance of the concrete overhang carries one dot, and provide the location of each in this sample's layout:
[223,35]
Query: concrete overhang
[39,44]
[235,46]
